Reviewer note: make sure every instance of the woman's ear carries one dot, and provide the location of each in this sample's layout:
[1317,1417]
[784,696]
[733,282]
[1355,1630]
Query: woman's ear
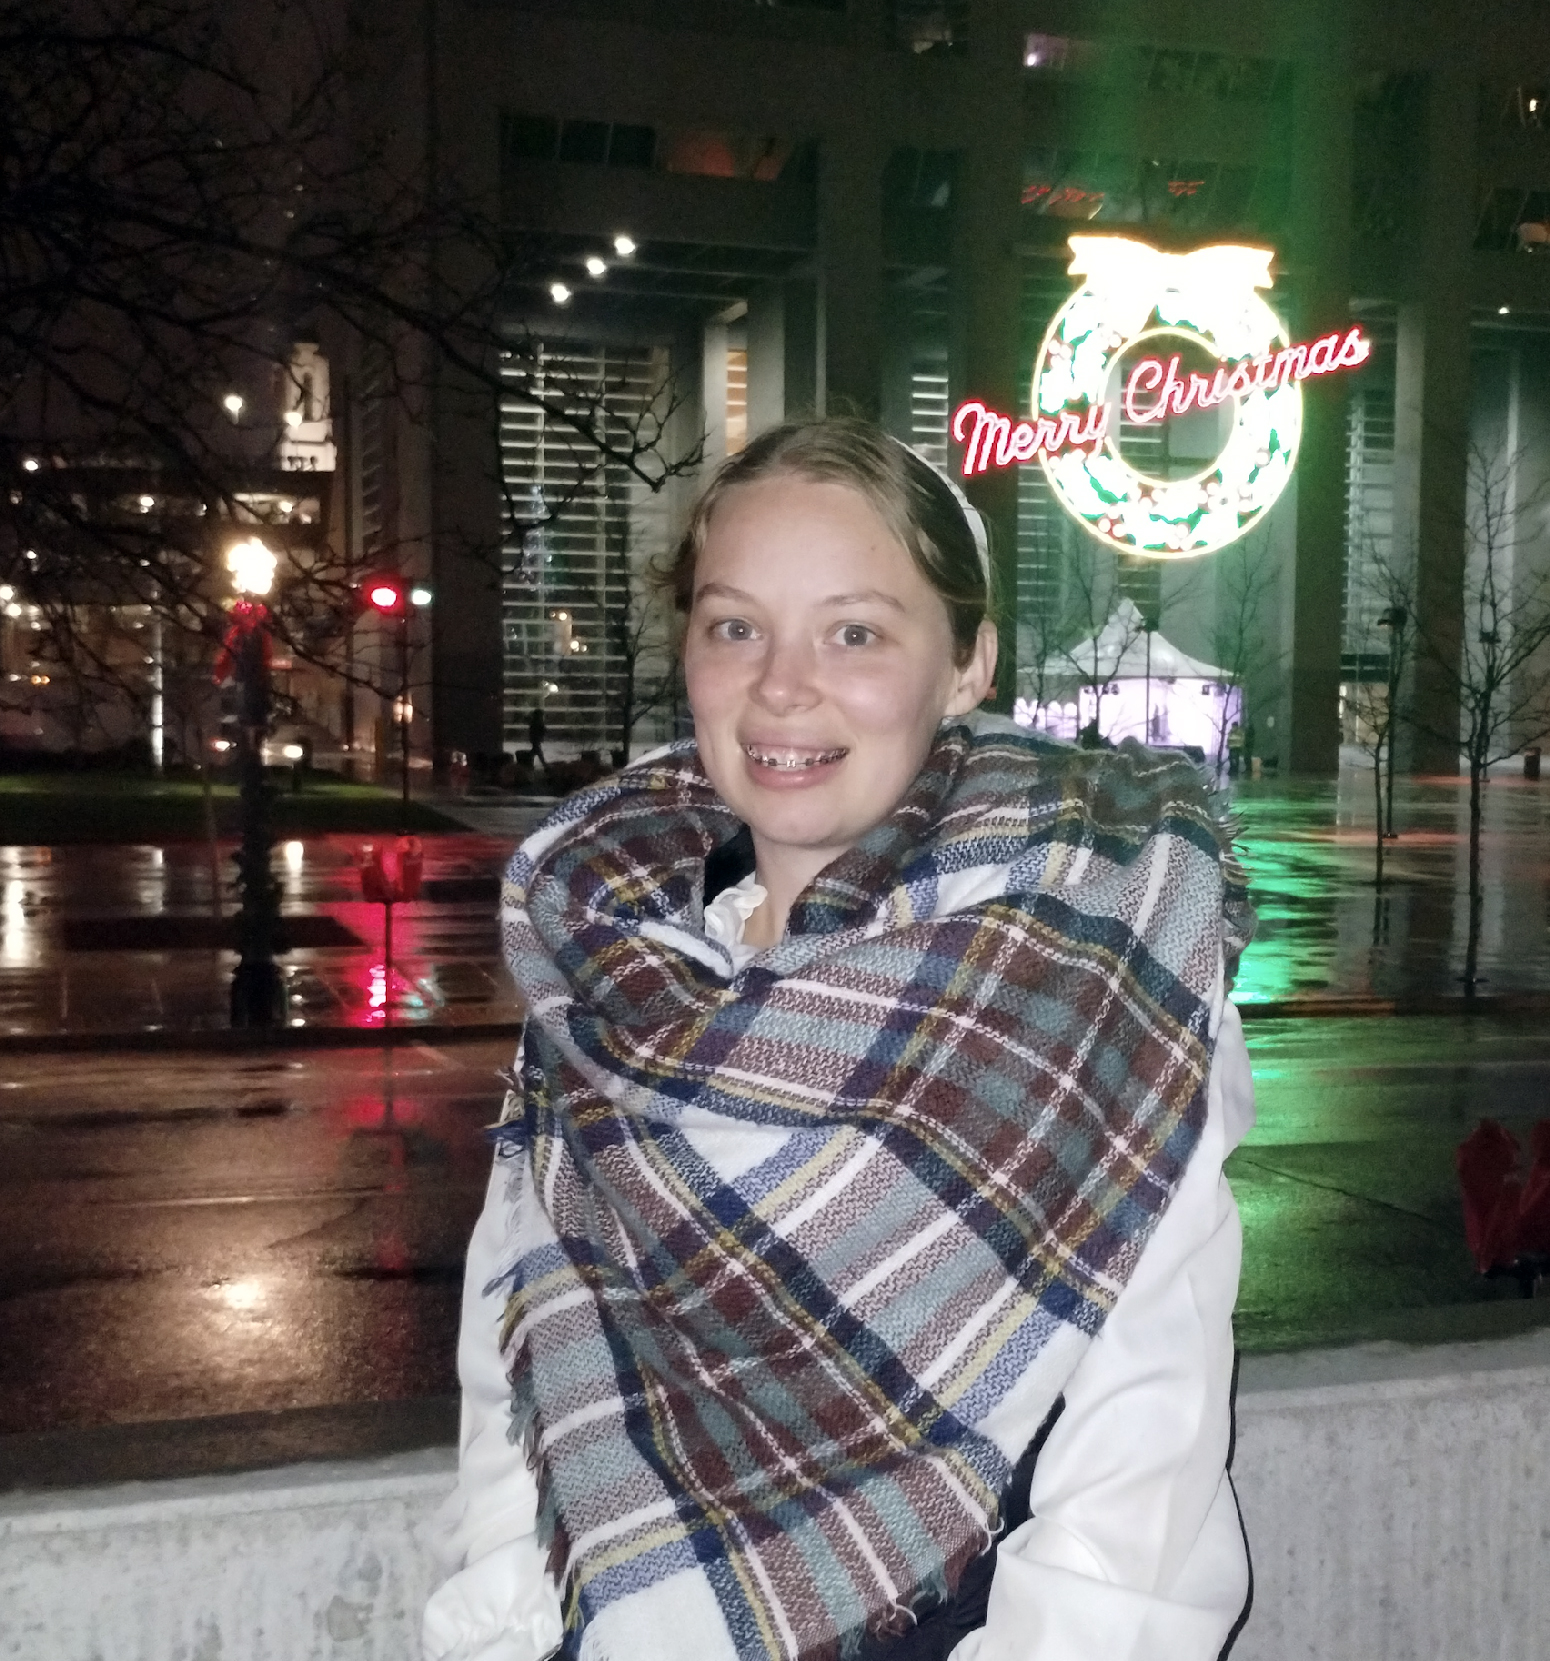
[976,677]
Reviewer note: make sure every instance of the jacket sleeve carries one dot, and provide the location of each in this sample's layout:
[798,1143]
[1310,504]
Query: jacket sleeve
[499,1603]
[1134,1550]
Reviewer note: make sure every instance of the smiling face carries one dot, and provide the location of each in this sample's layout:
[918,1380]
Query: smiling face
[819,663]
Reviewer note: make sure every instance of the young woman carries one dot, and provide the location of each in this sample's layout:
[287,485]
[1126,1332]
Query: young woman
[857,1270]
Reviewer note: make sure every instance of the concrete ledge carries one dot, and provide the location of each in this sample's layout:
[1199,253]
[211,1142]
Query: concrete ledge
[1395,1499]
[1397,1502]
[297,1564]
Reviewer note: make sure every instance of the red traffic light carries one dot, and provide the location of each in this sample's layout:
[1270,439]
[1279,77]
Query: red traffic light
[385,594]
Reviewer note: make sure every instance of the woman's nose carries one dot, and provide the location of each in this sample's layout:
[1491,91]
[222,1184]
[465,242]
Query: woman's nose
[788,676]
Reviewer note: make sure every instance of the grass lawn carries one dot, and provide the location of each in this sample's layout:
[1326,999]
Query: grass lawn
[89,806]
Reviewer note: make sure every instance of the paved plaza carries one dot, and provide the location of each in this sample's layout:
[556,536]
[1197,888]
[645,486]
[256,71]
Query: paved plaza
[1328,938]
[1327,933]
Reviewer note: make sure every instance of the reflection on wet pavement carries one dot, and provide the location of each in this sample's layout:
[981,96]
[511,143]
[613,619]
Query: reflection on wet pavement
[182,1236]
[1325,930]
[446,958]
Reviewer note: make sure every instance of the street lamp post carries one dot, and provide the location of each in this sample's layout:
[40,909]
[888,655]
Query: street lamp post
[403,709]
[257,993]
[388,597]
[1394,620]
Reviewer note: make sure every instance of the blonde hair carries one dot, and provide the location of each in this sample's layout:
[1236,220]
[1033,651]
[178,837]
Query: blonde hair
[919,505]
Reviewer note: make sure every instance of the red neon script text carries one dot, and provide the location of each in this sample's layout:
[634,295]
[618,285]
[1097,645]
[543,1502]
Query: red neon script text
[996,438]
[1173,393]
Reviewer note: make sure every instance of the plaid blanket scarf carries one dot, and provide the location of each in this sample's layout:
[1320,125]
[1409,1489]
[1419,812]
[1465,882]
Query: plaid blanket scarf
[786,1246]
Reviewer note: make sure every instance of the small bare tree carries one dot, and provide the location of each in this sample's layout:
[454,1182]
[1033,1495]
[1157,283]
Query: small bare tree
[1378,706]
[1500,672]
[640,635]
[1240,644]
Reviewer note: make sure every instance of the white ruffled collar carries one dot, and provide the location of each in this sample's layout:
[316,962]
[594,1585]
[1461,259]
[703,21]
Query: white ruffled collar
[727,916]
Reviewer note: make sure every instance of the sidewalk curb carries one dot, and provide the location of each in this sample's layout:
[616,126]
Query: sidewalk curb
[1498,1003]
[225,1040]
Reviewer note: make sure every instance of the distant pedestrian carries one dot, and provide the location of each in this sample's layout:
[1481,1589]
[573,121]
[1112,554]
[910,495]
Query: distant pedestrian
[1234,750]
[536,728]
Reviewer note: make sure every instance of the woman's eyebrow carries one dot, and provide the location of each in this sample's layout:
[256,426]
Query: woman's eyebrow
[862,595]
[722,591]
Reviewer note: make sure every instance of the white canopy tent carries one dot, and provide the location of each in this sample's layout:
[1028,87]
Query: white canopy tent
[1134,684]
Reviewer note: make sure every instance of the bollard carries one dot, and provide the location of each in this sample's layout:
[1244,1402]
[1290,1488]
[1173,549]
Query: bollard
[388,889]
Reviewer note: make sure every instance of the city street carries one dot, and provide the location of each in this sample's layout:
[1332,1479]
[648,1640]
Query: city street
[182,1237]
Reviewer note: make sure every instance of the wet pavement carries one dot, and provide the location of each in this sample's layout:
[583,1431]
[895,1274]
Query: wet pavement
[60,906]
[1327,936]
[1326,932]
[1353,1228]
[187,1238]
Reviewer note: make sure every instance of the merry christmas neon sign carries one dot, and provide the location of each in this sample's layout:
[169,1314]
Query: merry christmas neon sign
[1207,303]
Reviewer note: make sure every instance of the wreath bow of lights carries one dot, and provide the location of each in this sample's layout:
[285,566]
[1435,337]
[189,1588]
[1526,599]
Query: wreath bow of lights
[1132,294]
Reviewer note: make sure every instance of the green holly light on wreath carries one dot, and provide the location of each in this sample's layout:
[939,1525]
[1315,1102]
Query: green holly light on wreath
[1207,301]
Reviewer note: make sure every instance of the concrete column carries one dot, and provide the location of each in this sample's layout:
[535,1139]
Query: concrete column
[1431,409]
[459,457]
[713,390]
[1528,443]
[1320,251]
[800,306]
[850,273]
[467,648]
[766,358]
[986,288]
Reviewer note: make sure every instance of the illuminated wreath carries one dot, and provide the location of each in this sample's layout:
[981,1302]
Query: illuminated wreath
[1133,292]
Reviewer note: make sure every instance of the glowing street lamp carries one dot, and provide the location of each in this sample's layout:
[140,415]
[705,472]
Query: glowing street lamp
[234,404]
[257,995]
[624,245]
[252,568]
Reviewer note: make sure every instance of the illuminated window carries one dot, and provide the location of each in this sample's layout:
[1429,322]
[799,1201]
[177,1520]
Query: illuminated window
[1512,220]
[1048,53]
[707,152]
[1527,106]
[714,154]
[931,26]
[577,539]
[737,398]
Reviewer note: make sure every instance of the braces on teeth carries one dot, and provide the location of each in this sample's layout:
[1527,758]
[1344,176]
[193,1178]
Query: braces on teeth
[792,763]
